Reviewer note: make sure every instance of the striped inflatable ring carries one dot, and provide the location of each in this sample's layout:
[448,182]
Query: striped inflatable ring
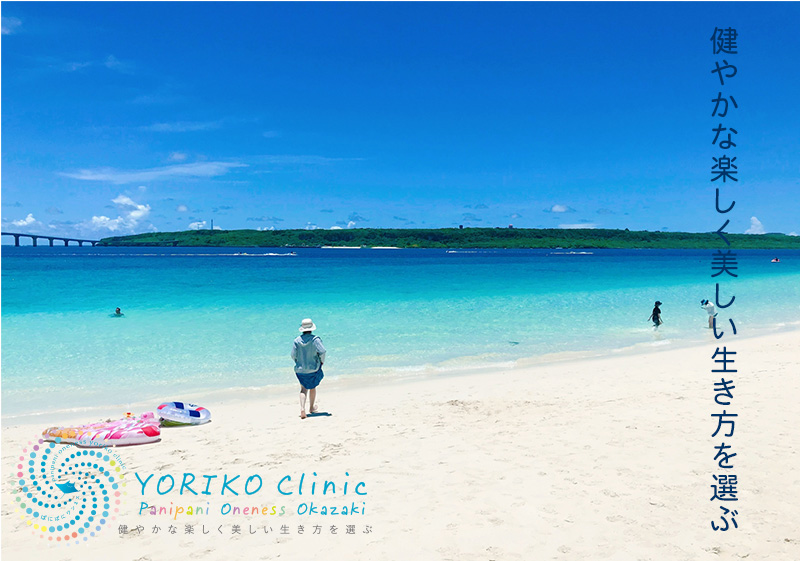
[179,413]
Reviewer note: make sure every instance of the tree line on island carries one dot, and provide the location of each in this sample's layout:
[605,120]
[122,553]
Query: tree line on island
[470,238]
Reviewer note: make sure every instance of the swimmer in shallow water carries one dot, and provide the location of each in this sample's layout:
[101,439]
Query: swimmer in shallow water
[656,315]
[712,312]
[118,313]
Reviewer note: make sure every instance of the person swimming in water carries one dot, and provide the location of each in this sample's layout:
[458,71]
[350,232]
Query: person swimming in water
[118,313]
[656,315]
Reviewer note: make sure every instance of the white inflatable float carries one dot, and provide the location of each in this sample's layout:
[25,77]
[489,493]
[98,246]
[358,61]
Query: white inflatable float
[180,413]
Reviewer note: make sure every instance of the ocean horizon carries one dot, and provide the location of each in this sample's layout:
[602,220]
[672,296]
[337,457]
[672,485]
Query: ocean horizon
[206,319]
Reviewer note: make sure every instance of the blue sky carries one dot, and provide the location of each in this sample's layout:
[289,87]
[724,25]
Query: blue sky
[123,118]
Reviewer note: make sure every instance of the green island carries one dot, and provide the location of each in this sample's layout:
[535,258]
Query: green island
[473,238]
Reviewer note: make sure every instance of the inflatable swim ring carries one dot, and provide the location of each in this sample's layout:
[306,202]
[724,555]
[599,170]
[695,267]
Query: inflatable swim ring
[179,413]
[124,432]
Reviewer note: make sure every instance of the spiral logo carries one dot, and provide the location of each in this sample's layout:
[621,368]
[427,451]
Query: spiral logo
[68,494]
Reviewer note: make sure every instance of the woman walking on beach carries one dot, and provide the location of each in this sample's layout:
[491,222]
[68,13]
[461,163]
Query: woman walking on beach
[656,315]
[308,355]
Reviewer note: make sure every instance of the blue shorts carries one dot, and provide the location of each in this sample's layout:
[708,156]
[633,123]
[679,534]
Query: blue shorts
[310,381]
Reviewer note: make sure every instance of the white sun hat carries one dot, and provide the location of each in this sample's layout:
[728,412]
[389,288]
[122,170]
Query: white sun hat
[307,325]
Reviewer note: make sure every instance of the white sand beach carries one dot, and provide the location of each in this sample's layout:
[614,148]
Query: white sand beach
[608,458]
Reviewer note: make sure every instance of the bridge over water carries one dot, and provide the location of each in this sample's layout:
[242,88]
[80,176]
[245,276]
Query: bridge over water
[52,239]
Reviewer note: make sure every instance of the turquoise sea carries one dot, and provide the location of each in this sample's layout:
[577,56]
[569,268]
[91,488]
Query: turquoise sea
[203,319]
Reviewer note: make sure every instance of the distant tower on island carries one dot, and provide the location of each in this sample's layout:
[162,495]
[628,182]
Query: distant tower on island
[212,223]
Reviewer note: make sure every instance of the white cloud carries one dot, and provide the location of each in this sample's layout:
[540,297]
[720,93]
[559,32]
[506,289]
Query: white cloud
[287,159]
[104,222]
[588,226]
[182,208]
[113,63]
[142,188]
[177,157]
[197,225]
[351,224]
[73,66]
[756,227]
[25,222]
[182,126]
[336,227]
[198,169]
[10,25]
[110,62]
[131,214]
[265,228]
[560,208]
[136,211]
[273,219]
[218,227]
[792,234]
[155,98]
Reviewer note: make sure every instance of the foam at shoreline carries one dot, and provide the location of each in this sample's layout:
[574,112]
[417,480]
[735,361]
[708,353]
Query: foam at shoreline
[451,369]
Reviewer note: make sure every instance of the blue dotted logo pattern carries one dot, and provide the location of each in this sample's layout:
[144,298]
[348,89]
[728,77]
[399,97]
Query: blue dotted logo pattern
[67,494]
